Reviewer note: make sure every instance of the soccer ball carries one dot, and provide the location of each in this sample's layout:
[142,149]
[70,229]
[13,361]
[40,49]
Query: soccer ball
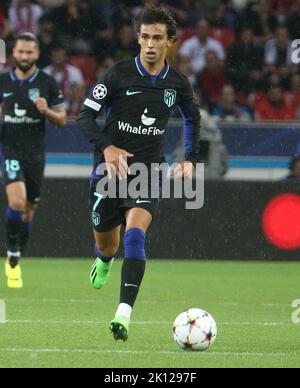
[100,92]
[195,329]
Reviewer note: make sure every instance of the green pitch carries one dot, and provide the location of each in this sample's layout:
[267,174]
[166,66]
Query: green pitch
[57,320]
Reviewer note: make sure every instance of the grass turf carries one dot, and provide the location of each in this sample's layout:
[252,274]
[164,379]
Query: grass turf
[57,320]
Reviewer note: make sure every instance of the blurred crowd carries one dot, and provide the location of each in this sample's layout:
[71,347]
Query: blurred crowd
[236,53]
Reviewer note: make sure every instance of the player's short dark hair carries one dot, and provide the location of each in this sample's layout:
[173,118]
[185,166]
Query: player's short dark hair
[28,37]
[158,16]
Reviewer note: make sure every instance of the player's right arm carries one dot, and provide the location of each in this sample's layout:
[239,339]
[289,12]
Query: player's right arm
[99,97]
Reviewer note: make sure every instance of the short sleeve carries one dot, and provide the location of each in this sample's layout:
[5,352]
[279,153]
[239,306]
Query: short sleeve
[102,92]
[56,98]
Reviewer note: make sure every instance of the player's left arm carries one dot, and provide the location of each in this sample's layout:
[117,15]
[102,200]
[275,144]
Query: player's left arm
[57,116]
[53,107]
[192,123]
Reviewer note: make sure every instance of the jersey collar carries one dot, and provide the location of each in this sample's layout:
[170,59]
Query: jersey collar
[144,72]
[29,79]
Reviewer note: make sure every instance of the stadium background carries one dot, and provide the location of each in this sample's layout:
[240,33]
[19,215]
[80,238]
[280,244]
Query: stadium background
[254,123]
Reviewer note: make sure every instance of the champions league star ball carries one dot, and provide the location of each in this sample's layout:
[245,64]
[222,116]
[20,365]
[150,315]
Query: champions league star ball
[195,329]
[100,92]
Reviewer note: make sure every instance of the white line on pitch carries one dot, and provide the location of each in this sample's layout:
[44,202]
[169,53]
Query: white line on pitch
[94,351]
[229,304]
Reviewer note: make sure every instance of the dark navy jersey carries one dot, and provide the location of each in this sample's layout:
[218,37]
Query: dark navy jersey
[23,129]
[138,107]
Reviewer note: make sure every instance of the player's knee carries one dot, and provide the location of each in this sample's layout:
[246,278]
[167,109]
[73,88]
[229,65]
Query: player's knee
[134,242]
[107,250]
[17,204]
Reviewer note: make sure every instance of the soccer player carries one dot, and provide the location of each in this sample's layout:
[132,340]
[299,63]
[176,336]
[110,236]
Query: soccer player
[139,95]
[28,97]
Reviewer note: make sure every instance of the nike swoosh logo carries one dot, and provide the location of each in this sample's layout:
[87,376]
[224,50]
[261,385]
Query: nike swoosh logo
[131,285]
[5,95]
[129,93]
[140,201]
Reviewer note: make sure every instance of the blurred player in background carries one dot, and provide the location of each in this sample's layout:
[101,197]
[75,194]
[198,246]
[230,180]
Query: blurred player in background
[139,95]
[28,97]
[294,168]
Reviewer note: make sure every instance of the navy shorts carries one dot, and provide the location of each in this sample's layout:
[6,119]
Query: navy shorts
[17,169]
[108,213]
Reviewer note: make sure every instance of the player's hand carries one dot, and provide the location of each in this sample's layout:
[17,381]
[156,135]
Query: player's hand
[42,105]
[184,170]
[115,159]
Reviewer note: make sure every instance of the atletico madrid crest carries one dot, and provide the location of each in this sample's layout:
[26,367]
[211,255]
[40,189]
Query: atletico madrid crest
[96,219]
[170,97]
[34,94]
